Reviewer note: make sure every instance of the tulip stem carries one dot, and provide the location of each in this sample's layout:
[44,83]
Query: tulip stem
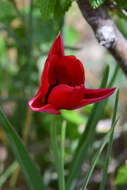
[58,153]
[63,131]
[54,146]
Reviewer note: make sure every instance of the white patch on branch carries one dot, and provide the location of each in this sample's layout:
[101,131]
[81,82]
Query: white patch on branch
[106,36]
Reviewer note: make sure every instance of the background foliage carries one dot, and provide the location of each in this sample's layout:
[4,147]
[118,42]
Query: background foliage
[27,31]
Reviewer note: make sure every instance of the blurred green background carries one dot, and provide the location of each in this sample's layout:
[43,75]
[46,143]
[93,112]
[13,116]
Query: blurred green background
[25,39]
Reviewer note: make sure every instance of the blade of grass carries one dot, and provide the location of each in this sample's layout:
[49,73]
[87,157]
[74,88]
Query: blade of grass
[96,158]
[31,173]
[16,174]
[115,107]
[95,113]
[7,173]
[107,159]
[113,76]
[86,138]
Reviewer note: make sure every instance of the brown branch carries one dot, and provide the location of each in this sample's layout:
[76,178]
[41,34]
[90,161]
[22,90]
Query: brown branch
[106,32]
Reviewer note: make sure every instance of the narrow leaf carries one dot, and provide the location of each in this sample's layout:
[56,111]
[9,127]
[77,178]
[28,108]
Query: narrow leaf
[29,169]
[107,159]
[86,138]
[95,160]
[114,76]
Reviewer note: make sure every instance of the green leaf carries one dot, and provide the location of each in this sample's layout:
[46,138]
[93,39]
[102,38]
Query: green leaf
[53,9]
[29,169]
[61,7]
[116,70]
[121,178]
[107,158]
[46,8]
[73,116]
[86,139]
[96,3]
[96,111]
[107,138]
[96,158]
[122,3]
[121,11]
[58,10]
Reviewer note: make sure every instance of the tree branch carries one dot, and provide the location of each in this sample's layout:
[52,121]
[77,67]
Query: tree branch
[106,32]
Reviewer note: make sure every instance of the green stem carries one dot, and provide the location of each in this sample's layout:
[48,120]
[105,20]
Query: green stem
[63,130]
[58,154]
[54,146]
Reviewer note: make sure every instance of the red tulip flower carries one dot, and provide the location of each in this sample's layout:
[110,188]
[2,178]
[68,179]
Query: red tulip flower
[62,84]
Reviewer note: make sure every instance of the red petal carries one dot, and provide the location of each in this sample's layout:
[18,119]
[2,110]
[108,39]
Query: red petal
[57,50]
[95,95]
[44,79]
[57,47]
[66,70]
[65,97]
[36,105]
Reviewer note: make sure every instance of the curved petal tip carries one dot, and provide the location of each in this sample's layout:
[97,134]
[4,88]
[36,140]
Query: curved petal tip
[48,108]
